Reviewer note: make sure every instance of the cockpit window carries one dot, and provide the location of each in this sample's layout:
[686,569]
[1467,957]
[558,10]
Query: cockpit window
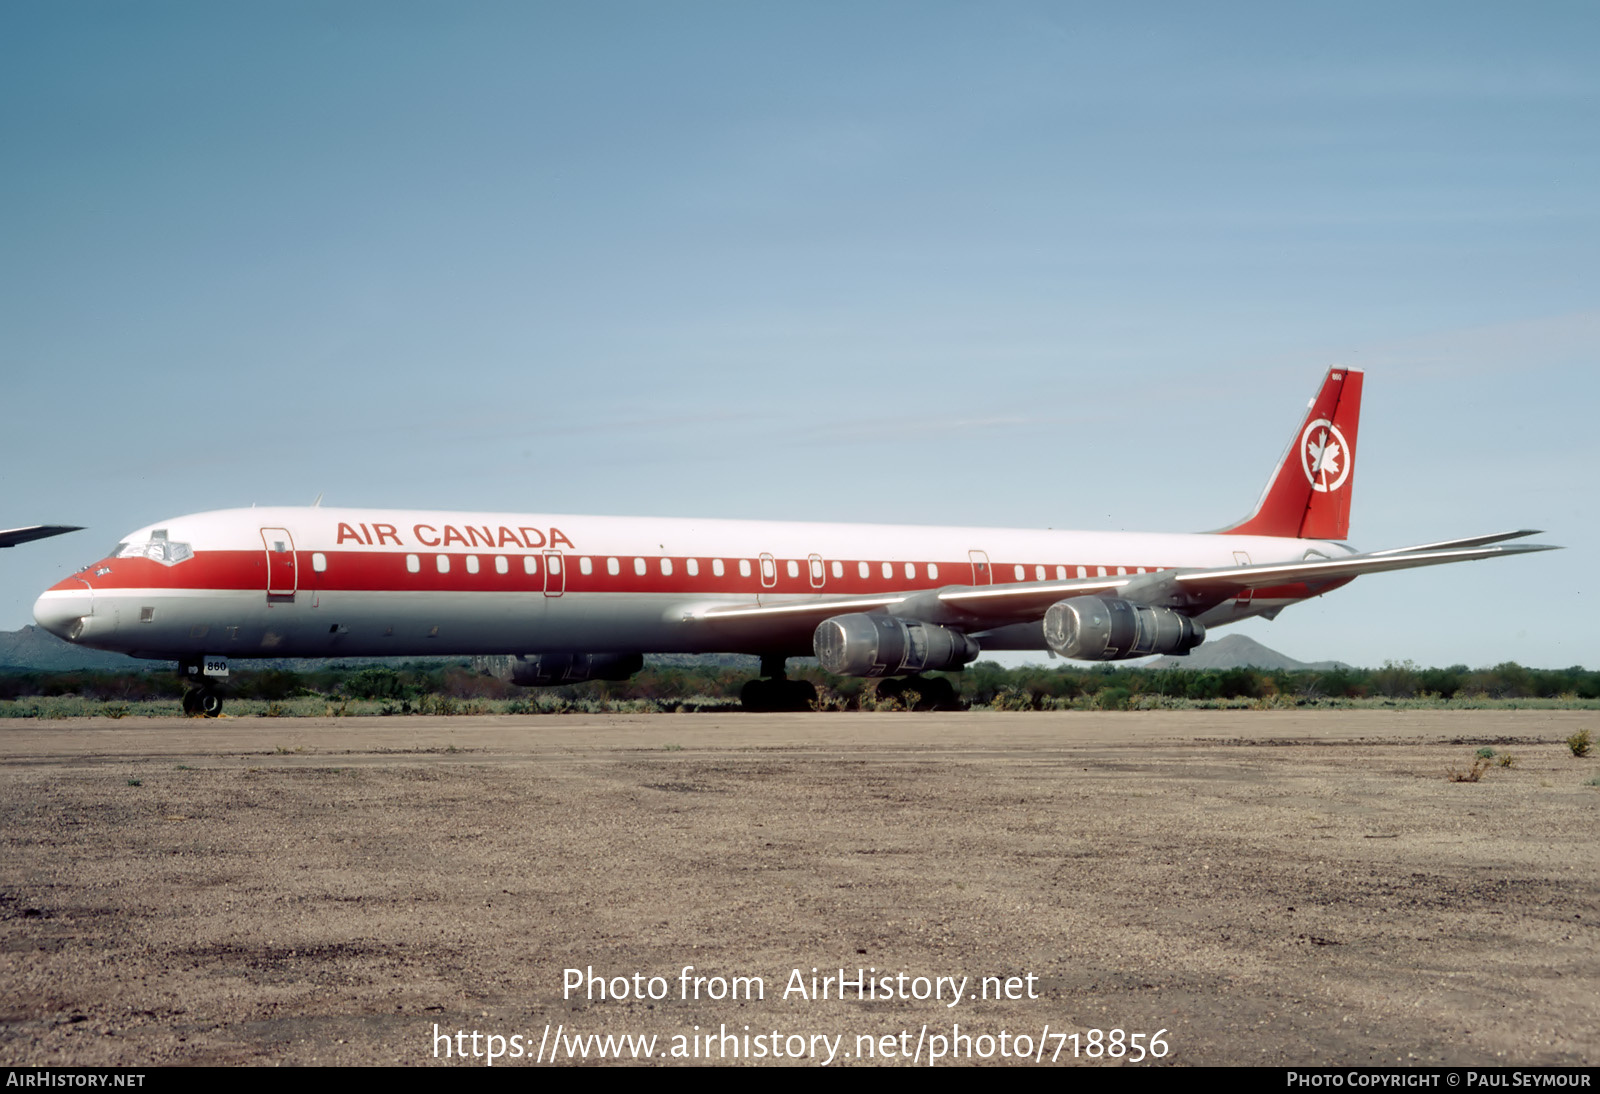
[158,549]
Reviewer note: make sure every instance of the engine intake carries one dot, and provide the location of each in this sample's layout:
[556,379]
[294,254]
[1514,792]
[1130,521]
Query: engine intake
[885,645]
[1099,628]
[547,670]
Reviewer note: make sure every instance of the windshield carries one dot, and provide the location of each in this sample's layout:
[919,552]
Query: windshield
[158,549]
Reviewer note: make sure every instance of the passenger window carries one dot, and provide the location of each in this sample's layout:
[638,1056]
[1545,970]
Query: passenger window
[554,564]
[1019,572]
[585,566]
[613,567]
[472,564]
[413,564]
[794,568]
[888,570]
[933,571]
[666,567]
[838,569]
[744,567]
[1083,572]
[1061,573]
[863,570]
[443,562]
[1122,571]
[716,567]
[769,569]
[638,566]
[1099,571]
[1038,573]
[319,561]
[911,571]
[693,566]
[501,566]
[530,564]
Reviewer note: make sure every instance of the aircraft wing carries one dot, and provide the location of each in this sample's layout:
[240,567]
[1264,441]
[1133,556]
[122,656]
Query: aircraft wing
[1319,571]
[981,607]
[13,536]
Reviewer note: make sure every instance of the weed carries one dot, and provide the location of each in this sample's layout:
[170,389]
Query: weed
[1012,698]
[1507,760]
[135,782]
[1472,775]
[274,710]
[1486,753]
[673,748]
[1594,781]
[114,710]
[1580,742]
[183,767]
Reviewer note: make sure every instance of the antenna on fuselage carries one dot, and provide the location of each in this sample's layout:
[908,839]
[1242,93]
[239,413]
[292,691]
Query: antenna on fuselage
[318,503]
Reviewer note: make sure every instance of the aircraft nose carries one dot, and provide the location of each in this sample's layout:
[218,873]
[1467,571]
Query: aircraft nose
[64,613]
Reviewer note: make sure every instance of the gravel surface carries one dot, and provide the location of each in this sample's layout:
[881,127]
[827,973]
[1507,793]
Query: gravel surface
[1257,887]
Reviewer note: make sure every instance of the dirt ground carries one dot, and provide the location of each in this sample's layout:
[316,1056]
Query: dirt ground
[1248,887]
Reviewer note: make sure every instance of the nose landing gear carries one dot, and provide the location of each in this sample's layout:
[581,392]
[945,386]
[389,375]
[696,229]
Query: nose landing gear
[202,703]
[204,700]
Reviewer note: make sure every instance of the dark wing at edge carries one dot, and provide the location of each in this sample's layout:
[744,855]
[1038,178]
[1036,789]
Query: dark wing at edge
[13,536]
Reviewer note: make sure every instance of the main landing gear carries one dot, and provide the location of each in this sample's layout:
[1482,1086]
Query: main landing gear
[778,693]
[204,699]
[920,692]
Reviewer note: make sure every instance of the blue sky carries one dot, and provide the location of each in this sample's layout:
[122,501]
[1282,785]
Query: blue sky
[1006,264]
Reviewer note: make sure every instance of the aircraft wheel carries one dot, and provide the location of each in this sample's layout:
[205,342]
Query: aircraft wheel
[938,693]
[799,695]
[209,703]
[887,690]
[191,704]
[756,697]
[772,696]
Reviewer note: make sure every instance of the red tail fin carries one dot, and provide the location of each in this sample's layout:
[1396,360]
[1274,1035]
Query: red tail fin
[1309,495]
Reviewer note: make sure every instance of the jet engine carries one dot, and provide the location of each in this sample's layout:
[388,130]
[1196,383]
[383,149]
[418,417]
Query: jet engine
[1098,628]
[884,645]
[547,670]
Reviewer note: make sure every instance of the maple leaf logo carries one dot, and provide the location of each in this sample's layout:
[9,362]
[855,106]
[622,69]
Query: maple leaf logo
[1324,455]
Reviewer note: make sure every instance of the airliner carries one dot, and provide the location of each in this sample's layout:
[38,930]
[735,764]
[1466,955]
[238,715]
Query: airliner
[574,598]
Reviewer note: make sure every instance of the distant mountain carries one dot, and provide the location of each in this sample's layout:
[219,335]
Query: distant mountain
[33,649]
[1237,651]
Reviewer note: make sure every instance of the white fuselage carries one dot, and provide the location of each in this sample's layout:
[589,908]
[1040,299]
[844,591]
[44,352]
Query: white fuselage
[282,582]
